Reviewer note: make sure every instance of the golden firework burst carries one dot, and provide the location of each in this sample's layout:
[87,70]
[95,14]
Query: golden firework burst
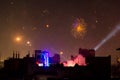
[79,28]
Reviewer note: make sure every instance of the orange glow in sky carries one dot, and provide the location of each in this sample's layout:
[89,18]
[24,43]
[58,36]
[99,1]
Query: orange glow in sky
[18,39]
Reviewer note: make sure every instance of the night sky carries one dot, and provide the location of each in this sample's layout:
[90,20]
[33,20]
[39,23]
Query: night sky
[48,25]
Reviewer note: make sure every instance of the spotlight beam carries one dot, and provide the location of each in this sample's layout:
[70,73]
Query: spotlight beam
[112,33]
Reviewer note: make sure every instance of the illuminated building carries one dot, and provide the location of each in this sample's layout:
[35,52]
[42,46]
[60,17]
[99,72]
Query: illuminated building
[42,58]
[79,60]
[84,57]
[29,68]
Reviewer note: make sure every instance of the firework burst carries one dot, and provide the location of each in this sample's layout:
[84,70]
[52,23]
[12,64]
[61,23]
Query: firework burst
[79,28]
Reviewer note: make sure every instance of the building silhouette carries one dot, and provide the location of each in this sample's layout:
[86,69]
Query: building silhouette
[26,68]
